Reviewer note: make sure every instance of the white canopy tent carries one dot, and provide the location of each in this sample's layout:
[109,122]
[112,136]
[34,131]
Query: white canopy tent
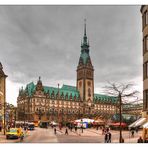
[85,120]
[145,125]
[137,123]
[53,123]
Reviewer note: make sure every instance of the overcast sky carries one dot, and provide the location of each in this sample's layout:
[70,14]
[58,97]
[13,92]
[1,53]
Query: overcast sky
[45,41]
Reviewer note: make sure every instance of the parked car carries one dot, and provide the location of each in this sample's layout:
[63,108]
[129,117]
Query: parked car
[13,133]
[31,126]
[44,124]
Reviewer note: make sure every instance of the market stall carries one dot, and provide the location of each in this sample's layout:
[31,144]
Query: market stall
[84,122]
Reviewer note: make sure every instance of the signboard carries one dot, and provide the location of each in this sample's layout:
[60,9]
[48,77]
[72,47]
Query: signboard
[84,124]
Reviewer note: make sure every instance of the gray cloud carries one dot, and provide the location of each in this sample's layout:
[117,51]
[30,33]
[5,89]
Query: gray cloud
[45,41]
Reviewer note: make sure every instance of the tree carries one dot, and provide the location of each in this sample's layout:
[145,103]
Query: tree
[120,91]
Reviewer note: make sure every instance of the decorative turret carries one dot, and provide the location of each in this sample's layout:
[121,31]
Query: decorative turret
[2,74]
[39,85]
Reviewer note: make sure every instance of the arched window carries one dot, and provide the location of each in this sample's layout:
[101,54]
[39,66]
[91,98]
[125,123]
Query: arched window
[89,92]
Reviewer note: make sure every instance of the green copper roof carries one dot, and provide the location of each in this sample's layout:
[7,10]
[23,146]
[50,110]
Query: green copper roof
[65,90]
[68,87]
[84,57]
[30,88]
[104,98]
[69,90]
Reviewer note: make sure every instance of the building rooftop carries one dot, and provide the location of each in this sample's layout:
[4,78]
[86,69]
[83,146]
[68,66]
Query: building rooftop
[67,92]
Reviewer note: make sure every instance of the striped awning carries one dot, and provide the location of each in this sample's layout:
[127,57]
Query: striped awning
[145,125]
[137,123]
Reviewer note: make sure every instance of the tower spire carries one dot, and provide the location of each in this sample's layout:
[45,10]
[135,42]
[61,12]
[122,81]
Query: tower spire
[84,27]
[85,37]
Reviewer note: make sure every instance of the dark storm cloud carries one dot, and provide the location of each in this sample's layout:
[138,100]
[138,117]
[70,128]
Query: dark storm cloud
[45,41]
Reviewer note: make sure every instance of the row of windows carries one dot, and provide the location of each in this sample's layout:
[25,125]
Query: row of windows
[42,101]
[145,44]
[145,101]
[145,19]
[107,106]
[145,70]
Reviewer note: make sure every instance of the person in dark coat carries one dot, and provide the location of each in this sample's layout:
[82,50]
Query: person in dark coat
[55,131]
[136,130]
[110,137]
[0,128]
[106,137]
[75,128]
[140,140]
[132,133]
[66,131]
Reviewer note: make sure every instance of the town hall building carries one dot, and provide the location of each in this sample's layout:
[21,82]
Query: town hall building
[38,102]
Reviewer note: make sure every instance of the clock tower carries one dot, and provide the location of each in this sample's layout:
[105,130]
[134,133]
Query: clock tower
[85,73]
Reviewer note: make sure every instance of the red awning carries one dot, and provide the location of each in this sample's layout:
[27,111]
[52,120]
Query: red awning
[118,124]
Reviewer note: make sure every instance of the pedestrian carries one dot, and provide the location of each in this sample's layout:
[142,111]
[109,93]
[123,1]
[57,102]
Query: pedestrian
[82,128]
[132,133]
[110,136]
[0,128]
[97,127]
[71,128]
[66,131]
[103,131]
[140,140]
[136,130]
[55,131]
[21,136]
[75,128]
[106,138]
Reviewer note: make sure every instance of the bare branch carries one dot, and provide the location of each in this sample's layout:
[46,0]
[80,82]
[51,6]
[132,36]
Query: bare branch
[120,89]
[125,87]
[132,94]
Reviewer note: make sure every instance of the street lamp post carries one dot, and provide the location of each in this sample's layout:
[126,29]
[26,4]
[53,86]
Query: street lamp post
[4,117]
[82,125]
[120,112]
[58,103]
[62,115]
[24,114]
